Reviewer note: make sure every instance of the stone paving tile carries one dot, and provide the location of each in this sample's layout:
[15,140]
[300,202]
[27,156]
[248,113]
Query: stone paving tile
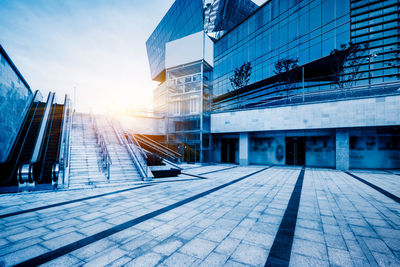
[178,259]
[146,260]
[341,222]
[62,240]
[120,262]
[168,246]
[105,257]
[249,254]
[198,247]
[23,254]
[386,181]
[66,260]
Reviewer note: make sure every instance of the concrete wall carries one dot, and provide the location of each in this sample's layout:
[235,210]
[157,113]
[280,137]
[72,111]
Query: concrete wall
[342,149]
[377,111]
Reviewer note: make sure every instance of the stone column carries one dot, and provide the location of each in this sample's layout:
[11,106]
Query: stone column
[244,149]
[342,149]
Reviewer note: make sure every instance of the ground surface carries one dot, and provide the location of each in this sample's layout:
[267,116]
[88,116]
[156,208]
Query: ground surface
[236,216]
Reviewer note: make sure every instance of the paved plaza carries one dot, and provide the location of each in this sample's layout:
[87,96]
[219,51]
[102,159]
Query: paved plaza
[217,215]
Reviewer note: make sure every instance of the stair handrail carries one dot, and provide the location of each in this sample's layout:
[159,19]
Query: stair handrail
[136,153]
[104,154]
[176,154]
[63,158]
[165,161]
[157,148]
[25,171]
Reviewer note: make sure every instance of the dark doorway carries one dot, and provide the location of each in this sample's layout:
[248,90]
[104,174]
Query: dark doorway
[295,151]
[228,150]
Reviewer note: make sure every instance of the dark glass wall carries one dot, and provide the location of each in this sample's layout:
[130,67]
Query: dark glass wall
[305,30]
[15,96]
[377,25]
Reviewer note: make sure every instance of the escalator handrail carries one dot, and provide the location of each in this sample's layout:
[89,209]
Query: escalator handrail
[43,126]
[176,154]
[62,155]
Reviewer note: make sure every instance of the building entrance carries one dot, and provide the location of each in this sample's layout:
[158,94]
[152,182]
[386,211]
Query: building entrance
[228,150]
[295,151]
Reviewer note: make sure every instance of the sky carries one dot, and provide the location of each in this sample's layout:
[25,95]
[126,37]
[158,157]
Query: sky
[95,48]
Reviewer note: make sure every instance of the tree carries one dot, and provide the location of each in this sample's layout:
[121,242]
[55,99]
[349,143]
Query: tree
[347,63]
[286,77]
[240,78]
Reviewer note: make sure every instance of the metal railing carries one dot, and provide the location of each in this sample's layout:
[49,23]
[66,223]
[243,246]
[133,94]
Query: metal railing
[103,152]
[254,102]
[136,153]
[164,151]
[62,167]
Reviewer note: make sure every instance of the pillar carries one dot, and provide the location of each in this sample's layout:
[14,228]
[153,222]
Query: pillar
[244,149]
[342,149]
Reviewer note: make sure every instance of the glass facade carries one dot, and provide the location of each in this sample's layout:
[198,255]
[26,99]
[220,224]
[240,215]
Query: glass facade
[308,31]
[182,19]
[184,95]
[187,93]
[15,97]
[222,15]
[305,30]
[377,24]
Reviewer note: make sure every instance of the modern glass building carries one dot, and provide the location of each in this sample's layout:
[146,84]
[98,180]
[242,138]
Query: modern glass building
[323,89]
[335,105]
[180,52]
[15,97]
[308,31]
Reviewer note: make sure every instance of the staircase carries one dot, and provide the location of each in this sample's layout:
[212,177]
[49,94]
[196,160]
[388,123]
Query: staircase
[122,168]
[85,166]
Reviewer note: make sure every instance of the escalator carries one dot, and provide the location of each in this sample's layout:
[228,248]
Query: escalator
[45,170]
[23,146]
[33,163]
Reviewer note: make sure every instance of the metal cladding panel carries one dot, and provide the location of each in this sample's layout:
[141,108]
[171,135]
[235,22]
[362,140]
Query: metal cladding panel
[185,17]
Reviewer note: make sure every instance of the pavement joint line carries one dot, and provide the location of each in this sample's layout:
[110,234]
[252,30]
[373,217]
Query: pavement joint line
[194,175]
[377,188]
[220,170]
[70,201]
[282,246]
[51,255]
